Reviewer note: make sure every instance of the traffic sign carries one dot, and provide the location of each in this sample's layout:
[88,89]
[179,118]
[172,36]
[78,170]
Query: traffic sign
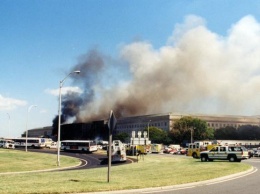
[112,121]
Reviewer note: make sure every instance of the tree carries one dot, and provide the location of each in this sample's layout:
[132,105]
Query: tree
[121,136]
[188,128]
[248,132]
[157,135]
[227,133]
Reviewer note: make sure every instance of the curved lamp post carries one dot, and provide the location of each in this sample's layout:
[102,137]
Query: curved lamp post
[59,115]
[29,109]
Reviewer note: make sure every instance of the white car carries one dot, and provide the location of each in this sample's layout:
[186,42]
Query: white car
[257,153]
[53,145]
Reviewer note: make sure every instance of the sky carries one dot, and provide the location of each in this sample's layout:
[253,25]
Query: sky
[136,57]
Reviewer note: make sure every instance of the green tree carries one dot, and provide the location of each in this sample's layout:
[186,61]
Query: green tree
[188,128]
[157,135]
[121,136]
[248,132]
[226,133]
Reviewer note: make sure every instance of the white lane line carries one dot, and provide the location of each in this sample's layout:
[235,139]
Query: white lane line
[173,189]
[198,184]
[229,179]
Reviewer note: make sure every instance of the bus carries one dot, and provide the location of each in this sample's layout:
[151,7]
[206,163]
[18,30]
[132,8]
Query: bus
[33,142]
[79,145]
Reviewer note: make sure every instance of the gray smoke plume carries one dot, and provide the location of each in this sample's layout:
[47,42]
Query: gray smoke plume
[197,71]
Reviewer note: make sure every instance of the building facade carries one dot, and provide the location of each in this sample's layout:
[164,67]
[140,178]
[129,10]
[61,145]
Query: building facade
[166,121]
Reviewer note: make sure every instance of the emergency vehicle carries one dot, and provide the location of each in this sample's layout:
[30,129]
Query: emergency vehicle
[195,148]
[118,151]
[231,153]
[133,150]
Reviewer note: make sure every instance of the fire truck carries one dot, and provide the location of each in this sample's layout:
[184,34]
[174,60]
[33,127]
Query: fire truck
[118,151]
[133,150]
[195,148]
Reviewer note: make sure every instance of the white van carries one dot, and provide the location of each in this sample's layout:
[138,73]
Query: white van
[9,144]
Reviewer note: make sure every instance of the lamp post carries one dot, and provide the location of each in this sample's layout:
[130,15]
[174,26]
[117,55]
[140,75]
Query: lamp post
[191,135]
[8,123]
[148,129]
[59,115]
[26,136]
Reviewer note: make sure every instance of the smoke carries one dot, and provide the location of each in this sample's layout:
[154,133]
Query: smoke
[197,71]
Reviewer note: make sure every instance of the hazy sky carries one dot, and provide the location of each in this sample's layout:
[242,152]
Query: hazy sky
[179,56]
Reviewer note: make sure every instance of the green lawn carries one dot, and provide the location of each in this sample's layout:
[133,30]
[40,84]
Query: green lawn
[153,171]
[17,160]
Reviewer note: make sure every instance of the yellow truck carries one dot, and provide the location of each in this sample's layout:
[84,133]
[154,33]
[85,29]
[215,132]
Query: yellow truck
[195,148]
[137,149]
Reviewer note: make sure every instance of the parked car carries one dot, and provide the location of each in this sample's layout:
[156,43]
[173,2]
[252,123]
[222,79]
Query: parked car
[182,151]
[250,153]
[174,151]
[167,150]
[257,153]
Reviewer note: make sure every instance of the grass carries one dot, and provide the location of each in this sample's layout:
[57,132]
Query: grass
[153,171]
[17,161]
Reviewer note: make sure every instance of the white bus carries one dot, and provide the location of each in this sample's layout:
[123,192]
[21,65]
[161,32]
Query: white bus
[33,142]
[79,145]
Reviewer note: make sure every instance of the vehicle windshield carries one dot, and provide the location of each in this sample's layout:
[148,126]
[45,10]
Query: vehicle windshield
[214,149]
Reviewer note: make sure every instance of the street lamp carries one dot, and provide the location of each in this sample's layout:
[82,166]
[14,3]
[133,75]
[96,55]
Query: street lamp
[59,115]
[26,136]
[192,133]
[8,123]
[148,129]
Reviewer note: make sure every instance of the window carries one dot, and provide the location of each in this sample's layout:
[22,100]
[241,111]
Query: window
[214,149]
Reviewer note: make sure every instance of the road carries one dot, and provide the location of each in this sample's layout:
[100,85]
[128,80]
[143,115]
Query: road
[94,160]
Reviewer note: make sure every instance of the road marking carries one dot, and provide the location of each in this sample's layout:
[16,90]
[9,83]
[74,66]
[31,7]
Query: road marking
[164,190]
[198,184]
[229,179]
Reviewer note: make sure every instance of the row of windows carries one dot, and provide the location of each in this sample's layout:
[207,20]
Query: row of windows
[219,125]
[142,125]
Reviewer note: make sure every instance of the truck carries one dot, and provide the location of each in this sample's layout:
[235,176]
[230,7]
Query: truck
[133,150]
[231,153]
[195,148]
[118,151]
